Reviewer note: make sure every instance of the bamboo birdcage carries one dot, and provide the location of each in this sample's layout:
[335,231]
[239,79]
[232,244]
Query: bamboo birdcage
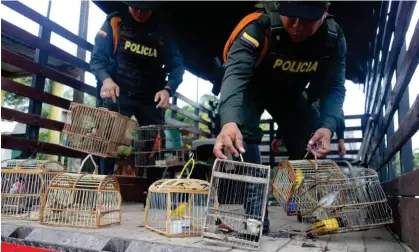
[82,200]
[97,131]
[176,207]
[330,200]
[237,204]
[160,146]
[23,185]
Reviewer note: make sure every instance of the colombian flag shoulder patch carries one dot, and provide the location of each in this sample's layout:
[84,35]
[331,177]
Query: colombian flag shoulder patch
[102,33]
[249,40]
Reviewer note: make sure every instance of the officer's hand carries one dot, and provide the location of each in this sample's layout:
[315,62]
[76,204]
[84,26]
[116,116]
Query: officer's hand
[164,98]
[275,145]
[229,136]
[341,148]
[109,89]
[321,141]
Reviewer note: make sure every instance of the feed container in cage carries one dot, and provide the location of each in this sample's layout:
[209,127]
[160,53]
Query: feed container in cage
[82,200]
[176,207]
[296,182]
[360,204]
[236,204]
[97,131]
[23,185]
[160,146]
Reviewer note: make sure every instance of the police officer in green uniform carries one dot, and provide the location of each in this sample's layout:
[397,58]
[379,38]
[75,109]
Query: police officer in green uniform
[137,66]
[305,46]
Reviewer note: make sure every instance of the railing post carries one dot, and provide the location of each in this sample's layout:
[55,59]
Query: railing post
[271,138]
[81,52]
[41,57]
[174,102]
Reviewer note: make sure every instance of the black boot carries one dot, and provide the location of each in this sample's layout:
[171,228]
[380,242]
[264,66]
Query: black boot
[266,223]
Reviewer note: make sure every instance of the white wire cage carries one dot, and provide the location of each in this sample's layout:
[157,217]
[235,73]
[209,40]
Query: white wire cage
[237,204]
[97,131]
[23,185]
[330,200]
[177,207]
[160,146]
[82,200]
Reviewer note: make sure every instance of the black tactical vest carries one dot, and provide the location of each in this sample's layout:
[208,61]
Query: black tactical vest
[139,61]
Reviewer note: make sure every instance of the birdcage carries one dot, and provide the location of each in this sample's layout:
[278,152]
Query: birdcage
[97,131]
[330,200]
[295,182]
[237,204]
[160,146]
[176,207]
[82,200]
[23,185]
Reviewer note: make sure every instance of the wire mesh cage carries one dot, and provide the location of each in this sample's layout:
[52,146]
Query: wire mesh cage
[97,131]
[330,200]
[176,207]
[82,200]
[23,185]
[160,146]
[237,204]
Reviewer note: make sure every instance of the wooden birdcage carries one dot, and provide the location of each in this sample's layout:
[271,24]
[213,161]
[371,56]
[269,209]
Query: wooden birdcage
[97,131]
[82,200]
[23,185]
[160,146]
[176,207]
[300,177]
[237,204]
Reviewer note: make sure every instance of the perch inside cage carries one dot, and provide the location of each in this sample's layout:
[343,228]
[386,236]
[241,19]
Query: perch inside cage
[98,131]
[176,207]
[160,146]
[23,185]
[82,200]
[236,204]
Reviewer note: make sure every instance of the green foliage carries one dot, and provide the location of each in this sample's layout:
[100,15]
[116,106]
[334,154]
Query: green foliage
[43,137]
[416,158]
[17,102]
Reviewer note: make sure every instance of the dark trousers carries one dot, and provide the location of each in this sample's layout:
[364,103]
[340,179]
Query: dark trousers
[253,202]
[145,113]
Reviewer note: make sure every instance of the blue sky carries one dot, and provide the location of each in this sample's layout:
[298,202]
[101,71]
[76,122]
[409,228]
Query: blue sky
[66,14]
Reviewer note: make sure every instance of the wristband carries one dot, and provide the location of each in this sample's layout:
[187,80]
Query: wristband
[169,90]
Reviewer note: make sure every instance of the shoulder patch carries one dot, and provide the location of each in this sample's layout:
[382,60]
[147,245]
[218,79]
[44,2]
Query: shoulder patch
[249,40]
[102,33]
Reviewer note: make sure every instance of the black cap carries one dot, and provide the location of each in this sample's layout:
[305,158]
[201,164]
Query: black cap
[309,10]
[144,5]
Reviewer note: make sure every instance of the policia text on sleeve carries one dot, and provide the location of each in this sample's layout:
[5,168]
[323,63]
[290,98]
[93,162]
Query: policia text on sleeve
[131,59]
[266,69]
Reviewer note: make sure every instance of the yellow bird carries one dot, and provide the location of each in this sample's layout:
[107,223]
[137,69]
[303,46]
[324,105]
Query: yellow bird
[299,177]
[180,210]
[325,226]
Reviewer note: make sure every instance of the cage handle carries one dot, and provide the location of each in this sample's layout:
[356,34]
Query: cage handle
[93,161]
[191,160]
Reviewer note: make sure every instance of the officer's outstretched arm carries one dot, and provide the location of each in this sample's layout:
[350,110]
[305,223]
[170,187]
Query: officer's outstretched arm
[238,72]
[102,52]
[175,65]
[331,102]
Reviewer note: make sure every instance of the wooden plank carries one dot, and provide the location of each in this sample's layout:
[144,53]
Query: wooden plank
[30,146]
[193,104]
[192,116]
[281,154]
[30,119]
[28,65]
[185,126]
[405,185]
[35,41]
[46,22]
[406,220]
[33,93]
[348,140]
[347,117]
[407,70]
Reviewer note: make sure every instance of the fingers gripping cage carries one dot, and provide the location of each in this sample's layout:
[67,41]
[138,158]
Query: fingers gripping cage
[82,200]
[160,146]
[176,207]
[97,131]
[236,204]
[23,185]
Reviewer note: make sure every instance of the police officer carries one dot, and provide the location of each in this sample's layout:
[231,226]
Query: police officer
[268,66]
[131,60]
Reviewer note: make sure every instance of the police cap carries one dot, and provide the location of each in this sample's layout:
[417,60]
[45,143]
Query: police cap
[308,10]
[144,5]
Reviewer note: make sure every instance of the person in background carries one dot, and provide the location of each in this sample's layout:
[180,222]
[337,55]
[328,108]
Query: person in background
[137,65]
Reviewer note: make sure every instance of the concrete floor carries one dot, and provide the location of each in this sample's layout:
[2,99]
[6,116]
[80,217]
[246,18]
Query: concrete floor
[132,228]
